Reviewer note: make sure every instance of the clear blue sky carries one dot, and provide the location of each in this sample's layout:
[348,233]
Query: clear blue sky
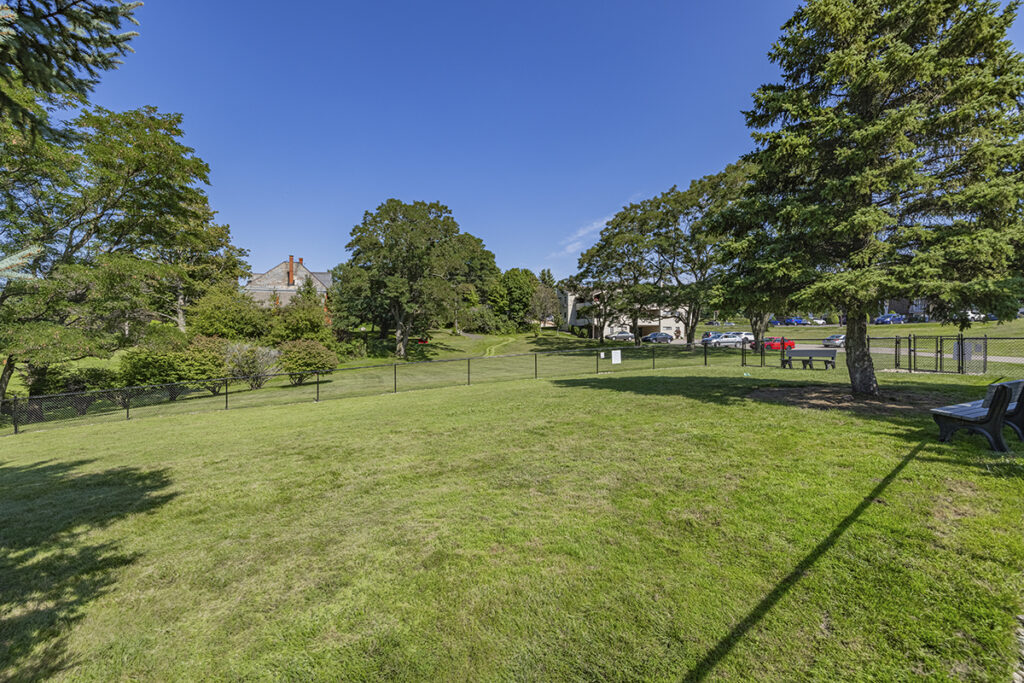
[534,121]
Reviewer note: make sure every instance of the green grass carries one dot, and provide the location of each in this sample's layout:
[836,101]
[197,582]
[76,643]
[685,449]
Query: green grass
[636,525]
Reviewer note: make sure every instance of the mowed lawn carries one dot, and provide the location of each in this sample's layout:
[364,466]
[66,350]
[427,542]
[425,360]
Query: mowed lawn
[656,525]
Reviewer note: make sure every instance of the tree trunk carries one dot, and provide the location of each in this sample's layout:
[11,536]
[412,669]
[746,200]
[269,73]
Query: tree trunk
[636,330]
[179,311]
[401,339]
[759,326]
[858,356]
[692,316]
[5,378]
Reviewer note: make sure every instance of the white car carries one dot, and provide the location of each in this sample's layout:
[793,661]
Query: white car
[734,340]
[817,321]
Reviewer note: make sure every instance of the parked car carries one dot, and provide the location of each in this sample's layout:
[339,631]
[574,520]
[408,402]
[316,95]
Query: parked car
[709,337]
[712,322]
[729,324]
[775,344]
[794,321]
[774,322]
[657,338]
[621,335]
[734,340]
[818,321]
[889,319]
[835,341]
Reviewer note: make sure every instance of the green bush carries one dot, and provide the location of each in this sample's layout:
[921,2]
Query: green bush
[229,314]
[254,364]
[304,357]
[205,359]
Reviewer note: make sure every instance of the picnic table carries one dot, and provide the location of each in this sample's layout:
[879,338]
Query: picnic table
[808,356]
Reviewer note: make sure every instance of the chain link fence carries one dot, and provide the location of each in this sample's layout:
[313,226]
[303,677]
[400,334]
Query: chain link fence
[1002,356]
[950,354]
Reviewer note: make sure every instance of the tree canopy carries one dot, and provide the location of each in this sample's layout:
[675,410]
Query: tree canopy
[888,161]
[56,47]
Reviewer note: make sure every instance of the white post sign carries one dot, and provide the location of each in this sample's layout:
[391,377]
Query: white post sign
[616,357]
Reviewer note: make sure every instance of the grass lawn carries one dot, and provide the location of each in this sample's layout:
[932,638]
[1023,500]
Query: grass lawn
[658,525]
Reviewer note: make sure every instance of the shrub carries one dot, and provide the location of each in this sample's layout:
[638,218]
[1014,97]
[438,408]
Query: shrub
[304,357]
[205,359]
[254,364]
[141,366]
[230,314]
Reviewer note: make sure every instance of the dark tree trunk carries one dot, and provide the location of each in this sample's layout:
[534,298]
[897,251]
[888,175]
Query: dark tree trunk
[690,323]
[759,326]
[858,355]
[636,330]
[5,378]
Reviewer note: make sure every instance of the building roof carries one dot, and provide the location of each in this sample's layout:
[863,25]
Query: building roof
[324,278]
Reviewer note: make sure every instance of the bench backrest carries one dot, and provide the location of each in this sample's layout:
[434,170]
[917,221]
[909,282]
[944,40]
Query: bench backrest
[812,353]
[1015,388]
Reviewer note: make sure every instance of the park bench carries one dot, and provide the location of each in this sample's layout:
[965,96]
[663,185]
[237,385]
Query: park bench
[1000,407]
[807,357]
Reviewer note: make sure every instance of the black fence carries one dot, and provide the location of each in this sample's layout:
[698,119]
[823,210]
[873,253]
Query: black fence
[951,354]
[1002,356]
[19,414]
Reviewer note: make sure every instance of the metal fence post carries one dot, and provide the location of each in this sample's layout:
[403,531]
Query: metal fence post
[743,353]
[14,414]
[762,352]
[535,366]
[396,378]
[469,376]
[896,351]
[782,350]
[225,393]
[984,358]
[911,356]
[705,345]
[961,357]
[653,361]
[318,386]
[597,362]
[128,405]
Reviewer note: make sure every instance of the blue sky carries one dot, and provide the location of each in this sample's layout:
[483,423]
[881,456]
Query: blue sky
[534,121]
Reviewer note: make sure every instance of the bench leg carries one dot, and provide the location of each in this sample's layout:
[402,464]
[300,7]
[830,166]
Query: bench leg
[1016,423]
[994,436]
[830,363]
[787,363]
[808,363]
[947,428]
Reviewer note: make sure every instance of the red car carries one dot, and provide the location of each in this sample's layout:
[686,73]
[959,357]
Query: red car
[775,344]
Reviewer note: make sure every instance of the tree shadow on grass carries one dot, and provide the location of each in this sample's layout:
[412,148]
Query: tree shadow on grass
[49,571]
[725,645]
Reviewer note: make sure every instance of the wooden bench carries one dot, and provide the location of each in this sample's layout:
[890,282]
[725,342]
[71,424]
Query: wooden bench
[807,358]
[1000,407]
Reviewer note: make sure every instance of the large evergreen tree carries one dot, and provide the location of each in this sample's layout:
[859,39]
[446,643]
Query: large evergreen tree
[57,47]
[889,160]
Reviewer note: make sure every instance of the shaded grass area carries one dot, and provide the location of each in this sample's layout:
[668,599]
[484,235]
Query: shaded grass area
[628,525]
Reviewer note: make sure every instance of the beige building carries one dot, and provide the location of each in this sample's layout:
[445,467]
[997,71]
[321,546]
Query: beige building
[575,311]
[283,280]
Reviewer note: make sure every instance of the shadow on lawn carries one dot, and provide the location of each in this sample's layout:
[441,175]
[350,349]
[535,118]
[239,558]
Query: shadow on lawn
[49,571]
[728,642]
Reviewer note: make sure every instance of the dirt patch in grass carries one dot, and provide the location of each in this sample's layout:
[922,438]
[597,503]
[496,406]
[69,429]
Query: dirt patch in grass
[888,402]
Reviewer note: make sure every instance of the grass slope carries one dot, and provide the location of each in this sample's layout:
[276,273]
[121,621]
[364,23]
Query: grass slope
[637,525]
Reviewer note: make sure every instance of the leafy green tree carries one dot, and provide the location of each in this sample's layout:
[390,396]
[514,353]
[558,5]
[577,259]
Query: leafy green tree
[625,258]
[95,205]
[304,357]
[229,313]
[57,47]
[512,295]
[546,278]
[544,304]
[689,242]
[197,257]
[889,161]
[406,259]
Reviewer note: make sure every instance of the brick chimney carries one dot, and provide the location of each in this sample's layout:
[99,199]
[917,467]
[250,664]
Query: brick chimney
[300,260]
[291,270]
